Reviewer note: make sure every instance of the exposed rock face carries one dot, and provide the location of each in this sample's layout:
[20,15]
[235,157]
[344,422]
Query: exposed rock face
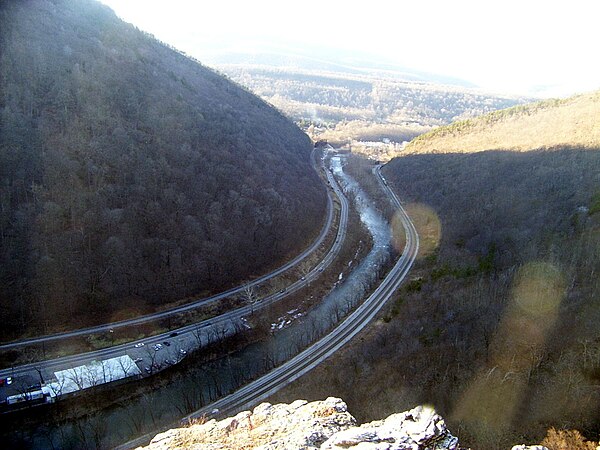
[418,429]
[317,425]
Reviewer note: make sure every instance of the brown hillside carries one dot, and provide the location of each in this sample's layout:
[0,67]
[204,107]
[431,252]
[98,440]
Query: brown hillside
[497,324]
[571,122]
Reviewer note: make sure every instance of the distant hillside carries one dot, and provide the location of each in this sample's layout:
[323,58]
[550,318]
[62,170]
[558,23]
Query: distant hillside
[131,175]
[351,97]
[574,121]
[357,102]
[325,96]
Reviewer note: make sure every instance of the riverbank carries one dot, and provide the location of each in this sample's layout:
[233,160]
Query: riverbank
[184,388]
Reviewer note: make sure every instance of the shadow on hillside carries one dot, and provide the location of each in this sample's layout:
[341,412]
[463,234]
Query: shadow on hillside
[511,296]
[497,327]
[132,177]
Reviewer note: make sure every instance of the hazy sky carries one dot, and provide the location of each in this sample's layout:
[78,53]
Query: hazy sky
[508,45]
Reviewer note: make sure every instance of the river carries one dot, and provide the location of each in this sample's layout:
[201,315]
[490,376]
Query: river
[188,391]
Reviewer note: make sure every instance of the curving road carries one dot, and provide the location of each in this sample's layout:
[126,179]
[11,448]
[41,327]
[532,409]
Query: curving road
[187,337]
[197,303]
[305,361]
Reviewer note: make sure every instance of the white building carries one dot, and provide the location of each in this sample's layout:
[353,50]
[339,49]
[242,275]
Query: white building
[81,377]
[94,374]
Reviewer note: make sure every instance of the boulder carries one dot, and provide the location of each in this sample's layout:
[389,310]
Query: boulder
[310,426]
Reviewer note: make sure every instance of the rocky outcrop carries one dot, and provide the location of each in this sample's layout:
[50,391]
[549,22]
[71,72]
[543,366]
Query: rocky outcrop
[419,428]
[317,425]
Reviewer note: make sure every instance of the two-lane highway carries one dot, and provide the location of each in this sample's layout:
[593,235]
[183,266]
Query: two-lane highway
[193,336]
[197,303]
[308,359]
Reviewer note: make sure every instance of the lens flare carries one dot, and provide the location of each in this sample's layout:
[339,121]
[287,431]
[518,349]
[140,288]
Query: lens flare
[539,288]
[428,226]
[494,396]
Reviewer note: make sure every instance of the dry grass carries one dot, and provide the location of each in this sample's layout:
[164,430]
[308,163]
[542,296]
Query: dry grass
[574,122]
[363,130]
[567,440]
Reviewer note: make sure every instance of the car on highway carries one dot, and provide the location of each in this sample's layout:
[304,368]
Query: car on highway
[139,344]
[174,333]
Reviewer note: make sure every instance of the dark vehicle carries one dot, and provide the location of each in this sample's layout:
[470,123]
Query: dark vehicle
[167,343]
[174,333]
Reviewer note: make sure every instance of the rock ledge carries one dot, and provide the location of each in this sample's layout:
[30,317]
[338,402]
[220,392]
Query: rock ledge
[318,425]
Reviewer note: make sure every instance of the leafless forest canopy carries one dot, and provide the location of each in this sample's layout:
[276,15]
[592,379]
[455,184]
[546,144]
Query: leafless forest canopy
[131,175]
[364,106]
[510,295]
[497,326]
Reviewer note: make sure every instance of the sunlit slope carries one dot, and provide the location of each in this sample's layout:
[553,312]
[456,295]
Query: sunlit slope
[132,176]
[574,121]
[509,292]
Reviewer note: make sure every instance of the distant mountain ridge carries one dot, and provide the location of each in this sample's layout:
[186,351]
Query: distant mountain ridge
[288,54]
[321,58]
[331,98]
[130,174]
[348,95]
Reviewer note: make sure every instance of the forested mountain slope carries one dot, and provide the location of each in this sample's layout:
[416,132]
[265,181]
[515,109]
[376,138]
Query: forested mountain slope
[131,175]
[573,121]
[498,328]
[510,292]
[343,106]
